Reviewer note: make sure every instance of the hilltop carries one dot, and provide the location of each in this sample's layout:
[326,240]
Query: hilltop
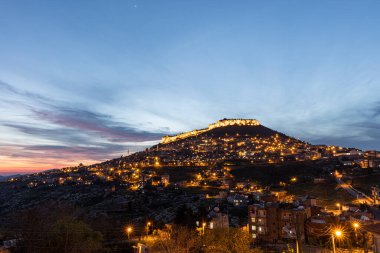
[212,128]
[227,139]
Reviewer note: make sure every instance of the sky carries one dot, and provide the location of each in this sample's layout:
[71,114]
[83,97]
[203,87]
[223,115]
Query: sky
[86,81]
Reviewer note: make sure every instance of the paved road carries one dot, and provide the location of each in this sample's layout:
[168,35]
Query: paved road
[361,197]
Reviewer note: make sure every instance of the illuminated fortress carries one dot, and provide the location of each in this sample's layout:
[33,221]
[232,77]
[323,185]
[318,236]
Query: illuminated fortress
[219,123]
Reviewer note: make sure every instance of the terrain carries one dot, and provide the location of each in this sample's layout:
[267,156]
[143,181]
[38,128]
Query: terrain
[189,171]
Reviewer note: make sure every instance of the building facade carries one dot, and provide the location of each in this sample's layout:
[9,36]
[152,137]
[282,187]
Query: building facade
[277,222]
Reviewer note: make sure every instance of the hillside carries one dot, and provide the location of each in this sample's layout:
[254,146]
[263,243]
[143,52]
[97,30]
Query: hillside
[224,140]
[166,175]
[230,142]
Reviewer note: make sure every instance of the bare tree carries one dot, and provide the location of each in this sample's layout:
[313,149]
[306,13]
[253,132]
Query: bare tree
[175,240]
[230,240]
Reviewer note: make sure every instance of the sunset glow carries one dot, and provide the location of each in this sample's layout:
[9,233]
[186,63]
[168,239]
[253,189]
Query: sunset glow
[84,81]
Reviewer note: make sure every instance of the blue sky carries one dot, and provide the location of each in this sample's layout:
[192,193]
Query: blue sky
[84,81]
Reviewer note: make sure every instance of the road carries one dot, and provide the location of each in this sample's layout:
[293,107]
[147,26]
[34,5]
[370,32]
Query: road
[361,197]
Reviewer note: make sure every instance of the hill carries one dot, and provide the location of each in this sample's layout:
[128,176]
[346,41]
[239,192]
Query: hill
[177,171]
[223,128]
[230,142]
[227,139]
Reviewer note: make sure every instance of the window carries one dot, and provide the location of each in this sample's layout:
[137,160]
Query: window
[260,229]
[253,228]
[253,236]
[253,219]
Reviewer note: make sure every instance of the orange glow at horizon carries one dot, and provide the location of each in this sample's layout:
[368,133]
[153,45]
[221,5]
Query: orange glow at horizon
[30,165]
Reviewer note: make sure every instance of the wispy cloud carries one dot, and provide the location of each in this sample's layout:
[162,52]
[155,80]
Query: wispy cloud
[358,128]
[104,125]
[69,154]
[25,94]
[67,116]
[63,133]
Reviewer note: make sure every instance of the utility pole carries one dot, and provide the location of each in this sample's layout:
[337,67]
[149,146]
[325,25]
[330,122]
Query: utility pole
[296,218]
[333,243]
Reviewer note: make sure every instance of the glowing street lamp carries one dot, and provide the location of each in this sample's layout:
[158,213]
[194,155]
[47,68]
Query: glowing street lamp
[203,227]
[336,233]
[356,226]
[339,206]
[129,231]
[148,224]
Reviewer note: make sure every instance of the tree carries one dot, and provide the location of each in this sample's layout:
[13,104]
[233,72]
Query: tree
[175,240]
[230,240]
[69,235]
[184,240]
[52,228]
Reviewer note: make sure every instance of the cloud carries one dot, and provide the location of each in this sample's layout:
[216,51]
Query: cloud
[58,133]
[104,125]
[358,128]
[7,87]
[71,149]
[64,153]
[67,117]
[62,135]
[29,158]
[369,124]
[376,110]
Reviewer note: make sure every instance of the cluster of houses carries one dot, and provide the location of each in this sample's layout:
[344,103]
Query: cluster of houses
[306,223]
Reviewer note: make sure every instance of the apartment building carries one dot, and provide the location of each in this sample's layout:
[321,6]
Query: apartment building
[275,222]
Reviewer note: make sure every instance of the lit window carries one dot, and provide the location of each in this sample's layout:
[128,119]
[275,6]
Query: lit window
[253,227]
[260,229]
[253,219]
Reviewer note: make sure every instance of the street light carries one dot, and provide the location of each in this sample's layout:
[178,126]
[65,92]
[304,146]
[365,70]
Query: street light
[148,224]
[339,206]
[129,230]
[203,227]
[336,233]
[356,226]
